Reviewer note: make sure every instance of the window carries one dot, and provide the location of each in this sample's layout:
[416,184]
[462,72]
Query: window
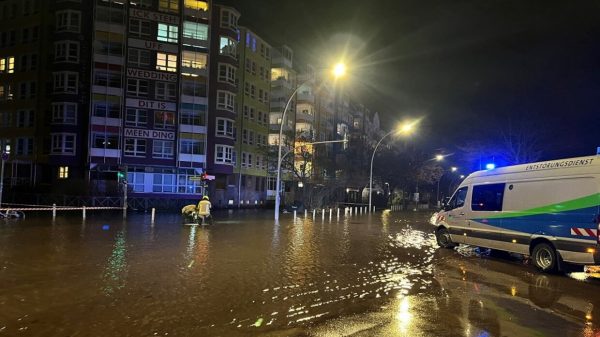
[135,147]
[252,91]
[139,28]
[260,95]
[64,113]
[197,5]
[107,109]
[68,21]
[66,51]
[163,183]
[63,172]
[136,181]
[105,140]
[167,62]
[138,57]
[228,19]
[107,78]
[192,115]
[226,73]
[192,146]
[27,90]
[25,118]
[164,119]
[7,65]
[110,15]
[487,197]
[136,117]
[225,127]
[62,143]
[223,154]
[192,87]
[141,3]
[66,82]
[6,93]
[168,5]
[458,199]
[24,146]
[225,100]
[162,149]
[190,59]
[110,48]
[167,33]
[137,87]
[251,137]
[192,30]
[165,91]
[227,46]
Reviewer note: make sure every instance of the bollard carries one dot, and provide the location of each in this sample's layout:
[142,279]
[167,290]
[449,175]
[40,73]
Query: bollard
[360,210]
[314,213]
[330,212]
[323,214]
[338,213]
[294,214]
[53,210]
[373,209]
[355,210]
[153,214]
[83,212]
[305,212]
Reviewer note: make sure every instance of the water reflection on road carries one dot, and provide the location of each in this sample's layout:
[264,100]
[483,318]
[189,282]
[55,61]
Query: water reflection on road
[360,276]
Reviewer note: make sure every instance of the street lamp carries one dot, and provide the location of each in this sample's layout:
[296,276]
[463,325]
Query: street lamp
[452,169]
[338,71]
[5,155]
[405,128]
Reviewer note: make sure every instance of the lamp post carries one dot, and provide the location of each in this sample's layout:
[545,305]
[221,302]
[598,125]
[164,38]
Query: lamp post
[408,127]
[338,71]
[452,169]
[5,155]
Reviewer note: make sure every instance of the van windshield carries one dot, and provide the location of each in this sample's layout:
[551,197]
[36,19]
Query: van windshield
[458,199]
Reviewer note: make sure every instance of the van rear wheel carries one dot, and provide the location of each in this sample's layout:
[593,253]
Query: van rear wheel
[544,258]
[443,238]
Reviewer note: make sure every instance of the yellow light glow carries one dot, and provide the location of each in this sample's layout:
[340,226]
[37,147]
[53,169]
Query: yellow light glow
[513,291]
[339,70]
[404,316]
[514,241]
[439,157]
[591,250]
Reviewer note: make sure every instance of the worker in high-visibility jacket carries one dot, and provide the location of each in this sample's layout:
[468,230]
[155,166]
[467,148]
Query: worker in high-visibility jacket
[204,209]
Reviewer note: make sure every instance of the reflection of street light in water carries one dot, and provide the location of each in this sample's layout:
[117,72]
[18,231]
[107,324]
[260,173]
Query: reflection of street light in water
[404,316]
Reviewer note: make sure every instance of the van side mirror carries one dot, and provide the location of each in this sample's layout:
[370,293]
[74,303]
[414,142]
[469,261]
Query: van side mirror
[446,204]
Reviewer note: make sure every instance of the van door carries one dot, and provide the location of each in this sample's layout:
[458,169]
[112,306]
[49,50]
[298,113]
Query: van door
[456,216]
[485,229]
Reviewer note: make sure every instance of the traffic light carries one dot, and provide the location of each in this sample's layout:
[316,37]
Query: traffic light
[121,177]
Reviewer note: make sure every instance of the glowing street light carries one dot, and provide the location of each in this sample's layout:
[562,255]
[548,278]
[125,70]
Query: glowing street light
[406,128]
[453,168]
[439,157]
[339,70]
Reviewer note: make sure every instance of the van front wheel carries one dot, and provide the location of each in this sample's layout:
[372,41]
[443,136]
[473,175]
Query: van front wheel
[544,257]
[443,238]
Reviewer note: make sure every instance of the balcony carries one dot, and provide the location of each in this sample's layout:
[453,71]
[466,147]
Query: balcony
[194,158]
[192,128]
[281,82]
[112,91]
[306,97]
[195,13]
[107,153]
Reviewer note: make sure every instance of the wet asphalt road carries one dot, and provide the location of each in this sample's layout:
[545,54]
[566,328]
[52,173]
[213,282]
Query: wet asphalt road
[379,275]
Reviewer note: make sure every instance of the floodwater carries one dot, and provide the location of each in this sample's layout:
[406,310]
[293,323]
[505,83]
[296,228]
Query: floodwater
[379,275]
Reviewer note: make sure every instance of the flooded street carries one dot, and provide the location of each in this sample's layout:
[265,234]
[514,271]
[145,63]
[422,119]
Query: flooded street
[356,276]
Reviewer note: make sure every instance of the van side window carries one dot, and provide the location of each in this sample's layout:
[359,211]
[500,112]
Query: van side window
[487,197]
[458,199]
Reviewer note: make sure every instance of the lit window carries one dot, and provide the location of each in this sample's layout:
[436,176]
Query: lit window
[7,65]
[192,30]
[227,46]
[168,5]
[197,5]
[226,73]
[63,172]
[164,119]
[167,62]
[225,100]
[190,59]
[225,127]
[167,33]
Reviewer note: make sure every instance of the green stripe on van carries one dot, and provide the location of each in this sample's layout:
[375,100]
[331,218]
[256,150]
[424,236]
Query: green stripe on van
[583,202]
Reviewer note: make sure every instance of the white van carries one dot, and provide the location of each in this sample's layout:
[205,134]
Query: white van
[549,210]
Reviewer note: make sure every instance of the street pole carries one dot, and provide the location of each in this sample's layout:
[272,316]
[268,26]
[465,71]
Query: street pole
[2,179]
[125,193]
[371,175]
[279,157]
[437,198]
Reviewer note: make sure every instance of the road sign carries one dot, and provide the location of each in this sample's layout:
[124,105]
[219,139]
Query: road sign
[4,156]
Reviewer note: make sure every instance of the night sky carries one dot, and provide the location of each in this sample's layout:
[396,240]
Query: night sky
[466,66]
